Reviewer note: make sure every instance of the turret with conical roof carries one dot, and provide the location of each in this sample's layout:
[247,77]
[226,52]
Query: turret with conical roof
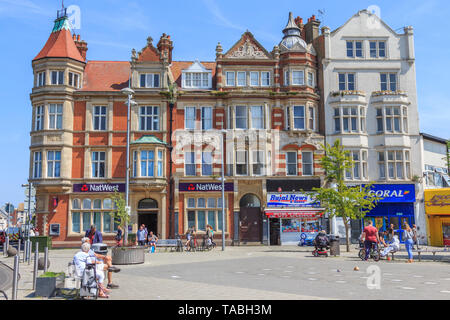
[60,44]
[292,35]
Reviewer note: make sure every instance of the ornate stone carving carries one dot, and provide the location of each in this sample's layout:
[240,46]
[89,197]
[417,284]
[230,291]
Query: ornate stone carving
[248,51]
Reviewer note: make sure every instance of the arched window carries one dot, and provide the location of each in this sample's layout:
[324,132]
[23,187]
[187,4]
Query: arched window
[87,203]
[76,204]
[250,201]
[148,204]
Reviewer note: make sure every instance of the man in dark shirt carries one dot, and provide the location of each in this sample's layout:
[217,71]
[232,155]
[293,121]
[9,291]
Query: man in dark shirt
[94,235]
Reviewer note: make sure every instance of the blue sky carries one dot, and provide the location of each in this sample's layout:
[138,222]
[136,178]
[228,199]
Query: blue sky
[113,27]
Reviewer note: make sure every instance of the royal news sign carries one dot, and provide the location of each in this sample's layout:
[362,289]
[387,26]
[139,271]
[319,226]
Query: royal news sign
[292,200]
[99,187]
[394,192]
[205,187]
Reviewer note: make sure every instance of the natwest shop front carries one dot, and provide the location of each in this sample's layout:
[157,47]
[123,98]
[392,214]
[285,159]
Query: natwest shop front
[200,205]
[397,206]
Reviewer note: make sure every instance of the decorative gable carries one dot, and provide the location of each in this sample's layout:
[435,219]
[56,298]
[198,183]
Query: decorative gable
[149,53]
[247,48]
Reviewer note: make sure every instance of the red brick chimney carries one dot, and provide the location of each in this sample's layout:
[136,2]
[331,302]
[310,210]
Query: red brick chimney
[81,45]
[165,46]
[312,29]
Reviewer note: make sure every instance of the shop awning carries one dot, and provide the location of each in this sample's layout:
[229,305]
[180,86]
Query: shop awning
[293,213]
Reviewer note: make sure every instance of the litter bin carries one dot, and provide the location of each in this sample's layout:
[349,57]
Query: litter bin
[335,250]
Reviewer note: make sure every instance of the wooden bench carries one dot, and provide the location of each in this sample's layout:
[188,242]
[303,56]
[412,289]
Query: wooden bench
[173,244]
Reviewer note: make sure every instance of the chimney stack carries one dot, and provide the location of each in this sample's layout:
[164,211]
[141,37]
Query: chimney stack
[312,29]
[165,47]
[81,45]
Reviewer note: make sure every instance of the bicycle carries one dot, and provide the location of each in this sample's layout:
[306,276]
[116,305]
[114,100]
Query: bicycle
[374,253]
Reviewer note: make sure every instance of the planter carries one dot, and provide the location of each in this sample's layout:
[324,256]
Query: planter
[47,284]
[43,241]
[128,255]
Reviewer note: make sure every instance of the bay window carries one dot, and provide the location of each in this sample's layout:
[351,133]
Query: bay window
[359,168]
[57,77]
[37,165]
[257,117]
[147,163]
[349,119]
[39,118]
[394,165]
[299,117]
[241,117]
[41,76]
[74,80]
[298,78]
[392,119]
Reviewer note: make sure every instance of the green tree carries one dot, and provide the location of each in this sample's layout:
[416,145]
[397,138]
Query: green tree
[338,199]
[121,216]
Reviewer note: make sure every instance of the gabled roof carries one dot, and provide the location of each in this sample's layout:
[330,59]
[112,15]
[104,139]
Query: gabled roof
[365,11]
[106,75]
[177,68]
[247,48]
[148,139]
[196,67]
[60,44]
[149,53]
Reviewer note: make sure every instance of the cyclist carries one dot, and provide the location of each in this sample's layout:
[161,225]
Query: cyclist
[370,238]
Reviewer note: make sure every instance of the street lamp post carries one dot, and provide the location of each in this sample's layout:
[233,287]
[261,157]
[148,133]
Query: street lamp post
[223,192]
[129,92]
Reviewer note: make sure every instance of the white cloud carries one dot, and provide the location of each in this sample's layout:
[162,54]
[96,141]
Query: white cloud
[221,20]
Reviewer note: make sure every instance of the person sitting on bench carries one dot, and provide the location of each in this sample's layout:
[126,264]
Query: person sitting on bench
[107,264]
[394,246]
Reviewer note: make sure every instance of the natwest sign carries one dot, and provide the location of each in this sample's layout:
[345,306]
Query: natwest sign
[394,192]
[99,187]
[205,187]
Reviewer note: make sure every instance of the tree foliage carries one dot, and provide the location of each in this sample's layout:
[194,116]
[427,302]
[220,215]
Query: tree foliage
[340,199]
[121,216]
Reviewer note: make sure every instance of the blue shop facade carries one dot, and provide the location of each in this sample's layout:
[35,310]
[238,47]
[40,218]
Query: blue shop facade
[397,207]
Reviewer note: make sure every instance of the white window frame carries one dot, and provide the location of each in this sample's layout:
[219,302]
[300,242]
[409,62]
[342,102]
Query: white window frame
[97,163]
[206,122]
[55,117]
[149,79]
[244,163]
[304,163]
[258,155]
[265,78]
[311,79]
[74,80]
[54,162]
[188,120]
[40,79]
[207,164]
[240,117]
[252,82]
[299,117]
[39,118]
[101,117]
[291,164]
[302,78]
[377,49]
[188,161]
[59,77]
[347,82]
[238,84]
[287,79]
[233,78]
[153,116]
[149,163]
[354,50]
[253,118]
[311,118]
[389,83]
[37,165]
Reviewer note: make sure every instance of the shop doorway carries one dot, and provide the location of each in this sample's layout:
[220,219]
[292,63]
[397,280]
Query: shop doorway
[148,215]
[250,219]
[275,232]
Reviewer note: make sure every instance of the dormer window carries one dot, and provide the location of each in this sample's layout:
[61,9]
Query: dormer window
[149,80]
[196,77]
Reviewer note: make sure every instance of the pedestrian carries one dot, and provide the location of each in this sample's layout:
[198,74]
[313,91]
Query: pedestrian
[141,236]
[146,233]
[390,232]
[94,235]
[188,240]
[382,237]
[211,232]
[119,236]
[409,242]
[152,240]
[370,238]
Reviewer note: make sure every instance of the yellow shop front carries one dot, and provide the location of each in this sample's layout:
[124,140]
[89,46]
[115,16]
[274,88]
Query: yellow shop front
[437,209]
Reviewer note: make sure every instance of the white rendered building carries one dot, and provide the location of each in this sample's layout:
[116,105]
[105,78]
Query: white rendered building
[370,103]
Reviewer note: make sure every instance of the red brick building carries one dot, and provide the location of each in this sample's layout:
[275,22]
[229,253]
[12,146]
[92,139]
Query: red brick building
[268,103]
